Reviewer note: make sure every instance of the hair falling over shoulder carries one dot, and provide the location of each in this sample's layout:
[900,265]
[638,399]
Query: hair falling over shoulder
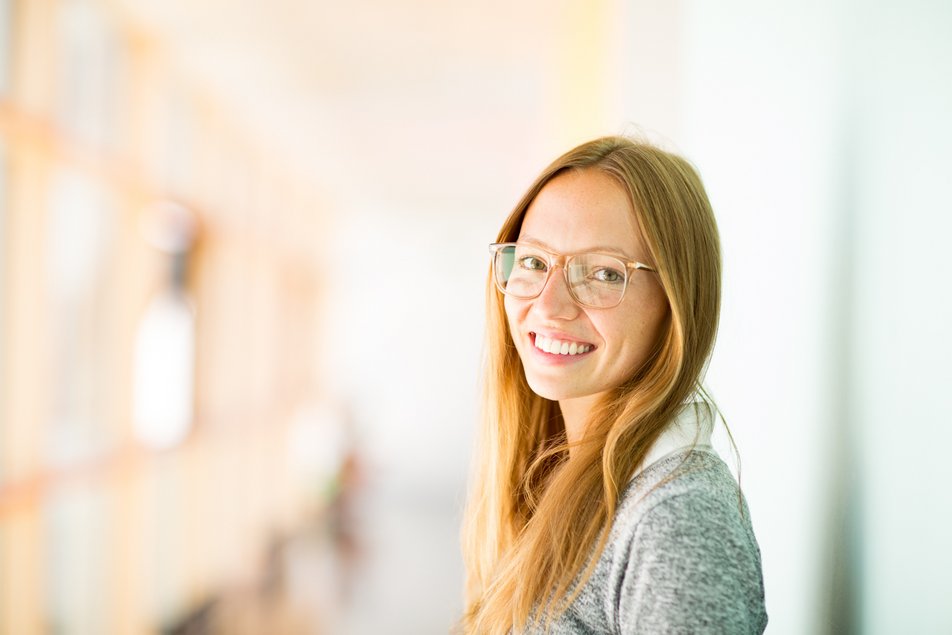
[536,521]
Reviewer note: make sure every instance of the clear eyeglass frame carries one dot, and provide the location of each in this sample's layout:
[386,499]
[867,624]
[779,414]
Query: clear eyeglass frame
[564,261]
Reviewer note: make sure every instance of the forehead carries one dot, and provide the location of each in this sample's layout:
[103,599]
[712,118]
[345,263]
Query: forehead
[583,210]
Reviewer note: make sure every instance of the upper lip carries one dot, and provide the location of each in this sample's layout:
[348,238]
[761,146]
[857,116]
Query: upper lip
[556,335]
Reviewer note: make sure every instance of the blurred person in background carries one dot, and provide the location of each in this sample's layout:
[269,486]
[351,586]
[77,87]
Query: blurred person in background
[598,504]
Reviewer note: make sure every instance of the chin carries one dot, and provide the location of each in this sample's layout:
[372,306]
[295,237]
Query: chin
[552,390]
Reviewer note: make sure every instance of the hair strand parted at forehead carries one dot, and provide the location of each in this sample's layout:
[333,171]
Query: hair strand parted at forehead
[533,516]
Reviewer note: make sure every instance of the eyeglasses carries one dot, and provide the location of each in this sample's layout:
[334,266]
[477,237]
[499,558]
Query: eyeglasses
[596,281]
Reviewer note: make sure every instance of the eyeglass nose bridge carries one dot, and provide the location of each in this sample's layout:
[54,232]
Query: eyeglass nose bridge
[562,262]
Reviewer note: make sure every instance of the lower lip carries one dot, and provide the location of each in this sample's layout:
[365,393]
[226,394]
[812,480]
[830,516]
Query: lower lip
[556,359]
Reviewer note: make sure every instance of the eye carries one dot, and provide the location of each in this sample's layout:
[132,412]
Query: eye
[606,274]
[532,263]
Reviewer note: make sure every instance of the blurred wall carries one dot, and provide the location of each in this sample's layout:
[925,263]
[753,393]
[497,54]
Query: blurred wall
[116,518]
[899,321]
[761,102]
[819,130]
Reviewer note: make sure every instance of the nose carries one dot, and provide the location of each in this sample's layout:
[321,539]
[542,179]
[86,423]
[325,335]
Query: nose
[555,301]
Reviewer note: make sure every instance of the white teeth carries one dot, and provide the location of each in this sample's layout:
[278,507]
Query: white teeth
[558,347]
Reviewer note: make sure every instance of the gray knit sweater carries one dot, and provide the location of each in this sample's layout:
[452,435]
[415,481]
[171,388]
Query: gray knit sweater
[681,557]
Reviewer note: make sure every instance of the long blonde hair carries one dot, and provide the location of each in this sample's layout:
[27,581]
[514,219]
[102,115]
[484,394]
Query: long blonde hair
[536,521]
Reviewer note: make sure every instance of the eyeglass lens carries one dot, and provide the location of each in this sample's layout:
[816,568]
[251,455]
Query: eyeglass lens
[595,280]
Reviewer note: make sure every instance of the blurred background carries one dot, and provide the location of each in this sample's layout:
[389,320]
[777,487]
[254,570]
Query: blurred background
[242,258]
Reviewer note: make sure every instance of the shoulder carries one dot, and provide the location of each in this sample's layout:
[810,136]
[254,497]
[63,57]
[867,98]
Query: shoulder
[690,488]
[684,553]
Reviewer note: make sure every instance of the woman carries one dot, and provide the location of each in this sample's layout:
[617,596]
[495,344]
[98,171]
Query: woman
[598,505]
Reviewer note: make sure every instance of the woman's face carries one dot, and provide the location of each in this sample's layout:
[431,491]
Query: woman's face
[585,211]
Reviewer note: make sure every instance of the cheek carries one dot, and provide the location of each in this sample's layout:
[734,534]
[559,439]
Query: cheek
[514,312]
[655,330]
[654,315]
[661,317]
[512,319]
[639,332]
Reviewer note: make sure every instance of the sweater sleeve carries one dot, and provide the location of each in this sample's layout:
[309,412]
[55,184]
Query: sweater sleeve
[693,567]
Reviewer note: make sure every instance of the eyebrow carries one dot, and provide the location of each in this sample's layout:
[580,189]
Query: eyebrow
[601,249]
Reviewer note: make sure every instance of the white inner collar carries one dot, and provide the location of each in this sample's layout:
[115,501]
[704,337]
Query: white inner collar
[691,427]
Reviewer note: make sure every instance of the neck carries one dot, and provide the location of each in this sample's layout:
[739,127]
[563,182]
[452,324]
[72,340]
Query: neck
[575,415]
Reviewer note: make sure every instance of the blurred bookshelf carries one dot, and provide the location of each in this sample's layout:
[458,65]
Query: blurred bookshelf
[100,531]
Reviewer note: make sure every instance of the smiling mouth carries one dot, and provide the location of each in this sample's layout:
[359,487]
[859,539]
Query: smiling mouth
[560,347]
